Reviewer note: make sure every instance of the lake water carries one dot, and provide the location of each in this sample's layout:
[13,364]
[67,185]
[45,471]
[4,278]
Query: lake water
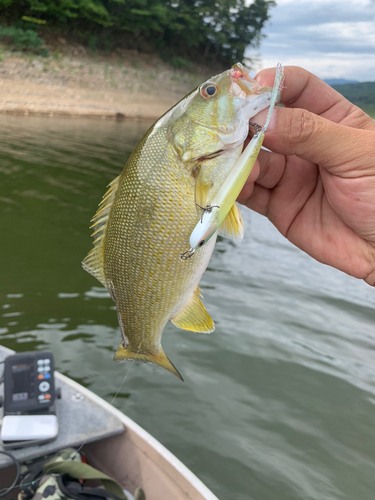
[278,403]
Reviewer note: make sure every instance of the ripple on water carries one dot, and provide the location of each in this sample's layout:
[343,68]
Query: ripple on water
[278,402]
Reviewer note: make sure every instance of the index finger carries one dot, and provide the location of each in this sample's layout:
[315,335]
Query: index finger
[304,90]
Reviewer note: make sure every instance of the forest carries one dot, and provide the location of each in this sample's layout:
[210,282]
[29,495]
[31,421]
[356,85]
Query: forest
[361,94]
[204,31]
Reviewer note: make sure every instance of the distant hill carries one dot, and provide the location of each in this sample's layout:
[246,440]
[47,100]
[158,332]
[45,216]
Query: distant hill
[339,81]
[361,94]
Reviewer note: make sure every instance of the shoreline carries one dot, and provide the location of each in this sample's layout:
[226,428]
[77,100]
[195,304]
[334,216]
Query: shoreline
[28,98]
[75,83]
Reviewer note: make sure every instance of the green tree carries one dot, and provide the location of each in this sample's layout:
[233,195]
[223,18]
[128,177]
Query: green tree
[202,30]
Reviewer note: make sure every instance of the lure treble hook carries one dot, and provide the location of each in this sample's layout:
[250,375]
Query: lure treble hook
[186,255]
[206,209]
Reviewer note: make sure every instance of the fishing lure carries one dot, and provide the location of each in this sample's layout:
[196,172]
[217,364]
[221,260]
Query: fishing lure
[215,213]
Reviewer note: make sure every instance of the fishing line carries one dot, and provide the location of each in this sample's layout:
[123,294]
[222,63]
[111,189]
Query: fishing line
[8,489]
[108,405]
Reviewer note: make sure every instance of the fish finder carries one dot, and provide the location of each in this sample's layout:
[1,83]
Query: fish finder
[29,383]
[29,397]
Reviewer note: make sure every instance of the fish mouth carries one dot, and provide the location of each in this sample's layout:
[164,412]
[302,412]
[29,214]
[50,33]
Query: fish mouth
[243,85]
[252,98]
[210,156]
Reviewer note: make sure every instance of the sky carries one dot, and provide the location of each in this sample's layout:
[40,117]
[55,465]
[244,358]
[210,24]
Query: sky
[330,38]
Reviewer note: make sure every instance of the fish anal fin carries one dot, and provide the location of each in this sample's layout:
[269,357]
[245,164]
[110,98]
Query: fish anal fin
[159,358]
[232,226]
[93,263]
[194,316]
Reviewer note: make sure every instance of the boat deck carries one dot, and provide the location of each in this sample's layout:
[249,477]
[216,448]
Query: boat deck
[80,419]
[133,458]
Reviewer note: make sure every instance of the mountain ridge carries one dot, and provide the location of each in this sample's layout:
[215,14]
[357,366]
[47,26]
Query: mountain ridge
[362,94]
[339,81]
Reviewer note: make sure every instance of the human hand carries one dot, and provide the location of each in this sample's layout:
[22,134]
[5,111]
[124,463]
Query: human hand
[317,186]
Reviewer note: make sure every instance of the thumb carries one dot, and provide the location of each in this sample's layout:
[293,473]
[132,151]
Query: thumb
[337,148]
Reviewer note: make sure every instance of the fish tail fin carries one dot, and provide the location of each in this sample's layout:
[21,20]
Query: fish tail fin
[93,263]
[160,358]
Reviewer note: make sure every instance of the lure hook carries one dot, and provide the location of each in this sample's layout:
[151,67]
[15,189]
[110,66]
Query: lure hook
[186,255]
[207,208]
[257,127]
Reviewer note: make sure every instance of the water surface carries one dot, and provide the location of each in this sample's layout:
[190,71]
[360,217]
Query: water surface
[278,403]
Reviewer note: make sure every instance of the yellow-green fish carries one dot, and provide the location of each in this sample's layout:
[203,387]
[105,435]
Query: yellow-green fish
[144,222]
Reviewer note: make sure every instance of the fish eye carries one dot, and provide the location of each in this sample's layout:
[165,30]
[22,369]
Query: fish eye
[201,243]
[209,90]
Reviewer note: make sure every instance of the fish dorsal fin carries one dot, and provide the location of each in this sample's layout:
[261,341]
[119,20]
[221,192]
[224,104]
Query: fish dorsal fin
[93,263]
[160,358]
[232,226]
[194,316]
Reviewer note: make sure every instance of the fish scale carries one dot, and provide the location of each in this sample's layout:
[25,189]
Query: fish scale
[153,207]
[145,220]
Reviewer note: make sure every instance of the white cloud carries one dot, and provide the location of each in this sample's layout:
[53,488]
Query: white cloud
[331,38]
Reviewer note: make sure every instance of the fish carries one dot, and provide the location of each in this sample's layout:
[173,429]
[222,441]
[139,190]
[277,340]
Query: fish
[145,219]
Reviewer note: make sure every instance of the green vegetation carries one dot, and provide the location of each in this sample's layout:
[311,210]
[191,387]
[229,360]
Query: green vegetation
[361,94]
[214,31]
[20,38]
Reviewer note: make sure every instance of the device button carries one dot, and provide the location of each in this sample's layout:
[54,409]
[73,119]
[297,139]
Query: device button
[40,377]
[43,386]
[40,362]
[41,369]
[48,396]
[47,375]
[47,361]
[47,368]
[41,397]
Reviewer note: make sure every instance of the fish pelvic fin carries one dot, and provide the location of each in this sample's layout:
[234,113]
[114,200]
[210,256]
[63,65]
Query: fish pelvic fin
[93,263]
[160,359]
[232,226]
[194,316]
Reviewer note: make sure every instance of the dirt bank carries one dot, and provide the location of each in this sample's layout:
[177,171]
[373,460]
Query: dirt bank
[73,83]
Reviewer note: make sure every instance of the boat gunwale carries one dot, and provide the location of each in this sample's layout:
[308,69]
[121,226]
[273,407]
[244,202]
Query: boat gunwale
[150,442]
[145,437]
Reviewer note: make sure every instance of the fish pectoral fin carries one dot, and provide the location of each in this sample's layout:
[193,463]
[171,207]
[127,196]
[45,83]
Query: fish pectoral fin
[160,358]
[232,226]
[202,192]
[93,262]
[194,316]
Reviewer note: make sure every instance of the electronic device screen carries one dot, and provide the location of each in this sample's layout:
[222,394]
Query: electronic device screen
[20,381]
[28,382]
